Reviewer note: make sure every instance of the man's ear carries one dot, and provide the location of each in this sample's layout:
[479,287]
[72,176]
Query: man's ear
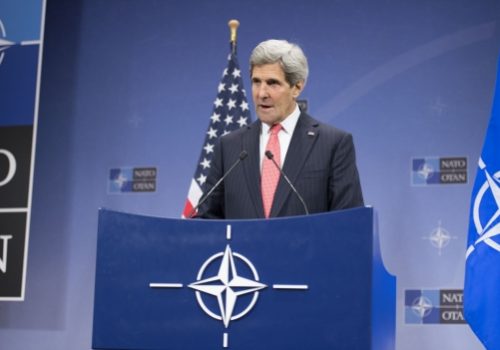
[297,89]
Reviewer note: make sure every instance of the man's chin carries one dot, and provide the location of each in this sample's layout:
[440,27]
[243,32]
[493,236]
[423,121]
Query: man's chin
[267,118]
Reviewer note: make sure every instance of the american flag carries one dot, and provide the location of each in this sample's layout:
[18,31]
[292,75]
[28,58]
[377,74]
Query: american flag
[230,112]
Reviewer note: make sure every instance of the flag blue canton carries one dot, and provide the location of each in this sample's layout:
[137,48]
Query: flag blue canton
[482,275]
[230,112]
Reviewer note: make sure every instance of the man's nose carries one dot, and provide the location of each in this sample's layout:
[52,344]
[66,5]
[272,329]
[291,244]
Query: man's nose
[262,91]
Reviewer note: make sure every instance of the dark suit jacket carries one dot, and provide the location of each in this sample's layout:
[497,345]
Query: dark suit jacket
[320,162]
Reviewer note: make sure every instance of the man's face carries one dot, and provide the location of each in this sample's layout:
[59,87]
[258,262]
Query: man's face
[273,97]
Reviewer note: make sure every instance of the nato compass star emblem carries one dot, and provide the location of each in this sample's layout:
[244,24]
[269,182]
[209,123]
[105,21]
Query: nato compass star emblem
[4,44]
[425,171]
[227,285]
[487,205]
[422,307]
[440,237]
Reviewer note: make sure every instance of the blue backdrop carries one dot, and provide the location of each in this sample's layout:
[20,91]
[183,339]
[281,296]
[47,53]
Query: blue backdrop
[131,84]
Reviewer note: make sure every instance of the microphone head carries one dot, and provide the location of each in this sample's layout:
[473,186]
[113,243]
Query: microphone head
[243,154]
[269,154]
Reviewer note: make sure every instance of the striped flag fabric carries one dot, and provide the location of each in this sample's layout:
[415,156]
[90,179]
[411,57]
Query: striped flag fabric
[230,112]
[482,272]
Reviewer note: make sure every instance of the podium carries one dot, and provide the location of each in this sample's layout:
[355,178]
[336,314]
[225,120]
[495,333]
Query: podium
[305,282]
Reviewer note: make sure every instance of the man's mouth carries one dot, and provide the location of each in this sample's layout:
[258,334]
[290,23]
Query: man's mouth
[265,107]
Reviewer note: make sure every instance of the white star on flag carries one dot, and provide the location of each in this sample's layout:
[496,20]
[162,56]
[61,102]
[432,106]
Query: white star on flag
[205,164]
[244,106]
[236,73]
[215,117]
[231,104]
[212,133]
[233,88]
[218,102]
[209,148]
[201,179]
[242,122]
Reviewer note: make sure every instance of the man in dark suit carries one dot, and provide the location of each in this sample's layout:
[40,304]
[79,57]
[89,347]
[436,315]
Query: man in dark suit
[318,159]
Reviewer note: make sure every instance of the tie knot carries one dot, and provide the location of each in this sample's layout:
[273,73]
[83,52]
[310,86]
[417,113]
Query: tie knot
[276,128]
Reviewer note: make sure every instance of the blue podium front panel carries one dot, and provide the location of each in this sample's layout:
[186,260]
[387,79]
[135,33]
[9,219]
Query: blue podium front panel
[288,283]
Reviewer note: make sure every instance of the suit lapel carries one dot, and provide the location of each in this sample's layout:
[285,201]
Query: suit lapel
[303,138]
[252,166]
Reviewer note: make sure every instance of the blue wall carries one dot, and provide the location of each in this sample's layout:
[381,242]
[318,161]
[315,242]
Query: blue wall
[131,83]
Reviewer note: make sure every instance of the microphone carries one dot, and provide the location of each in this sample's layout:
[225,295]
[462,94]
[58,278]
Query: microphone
[270,156]
[242,156]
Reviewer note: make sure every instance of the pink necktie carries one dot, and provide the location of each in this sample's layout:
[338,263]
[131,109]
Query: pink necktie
[270,173]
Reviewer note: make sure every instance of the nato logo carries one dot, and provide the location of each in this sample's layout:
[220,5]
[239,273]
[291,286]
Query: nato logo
[4,43]
[439,238]
[438,171]
[443,306]
[486,210]
[227,286]
[129,180]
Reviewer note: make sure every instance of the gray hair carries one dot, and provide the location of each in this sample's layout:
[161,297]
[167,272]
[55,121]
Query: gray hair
[290,57]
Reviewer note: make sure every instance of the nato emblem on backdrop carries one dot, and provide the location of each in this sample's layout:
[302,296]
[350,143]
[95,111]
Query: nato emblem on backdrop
[130,180]
[438,171]
[439,238]
[424,306]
